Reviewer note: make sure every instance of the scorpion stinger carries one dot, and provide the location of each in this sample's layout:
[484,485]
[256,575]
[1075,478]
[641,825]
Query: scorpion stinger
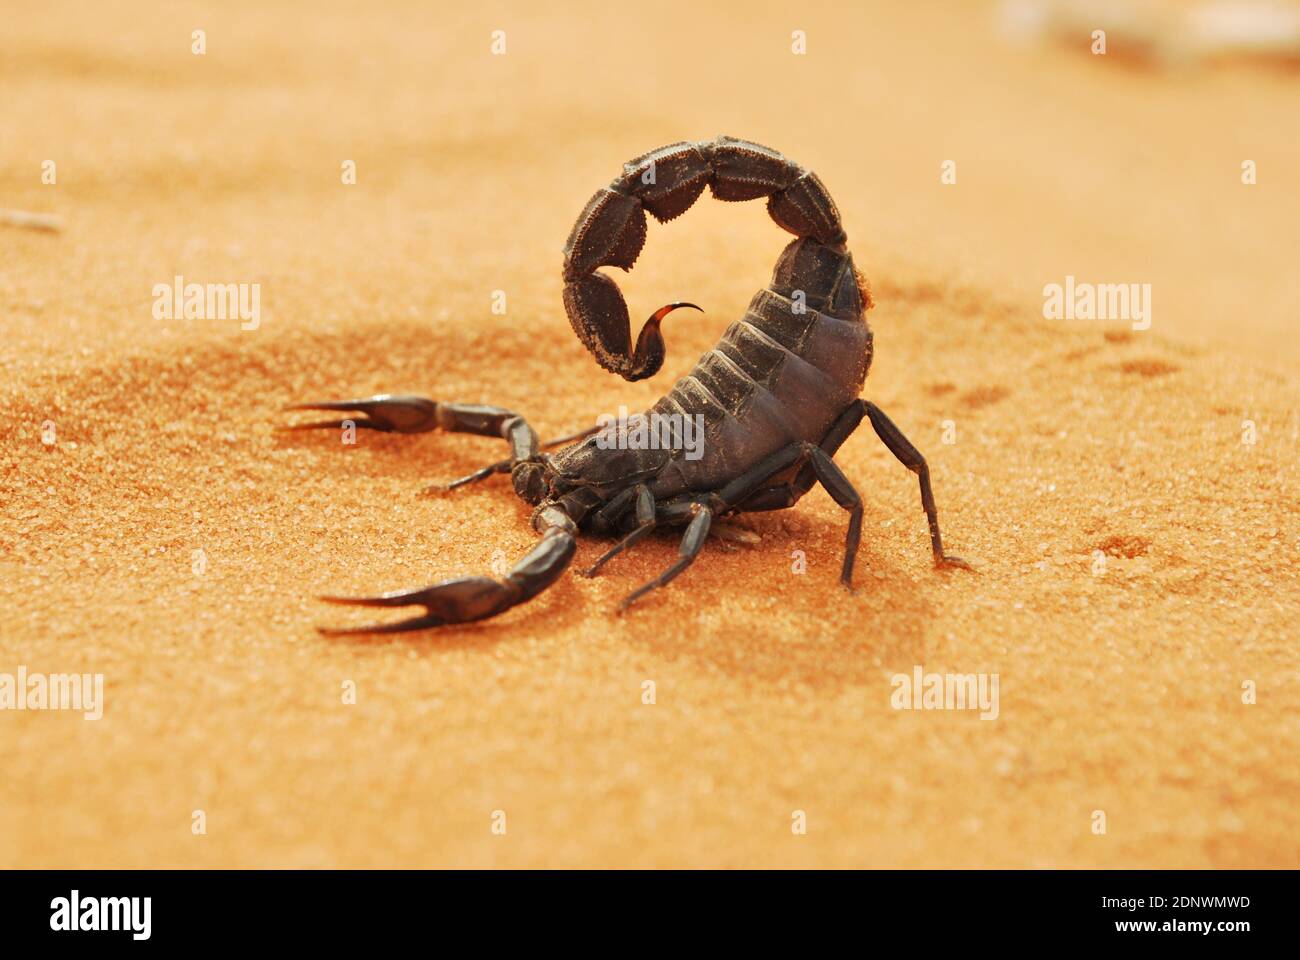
[650,350]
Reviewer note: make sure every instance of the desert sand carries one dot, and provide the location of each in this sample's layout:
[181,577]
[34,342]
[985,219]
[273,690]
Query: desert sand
[1136,556]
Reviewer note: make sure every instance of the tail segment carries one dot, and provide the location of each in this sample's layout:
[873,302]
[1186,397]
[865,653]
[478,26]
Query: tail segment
[611,231]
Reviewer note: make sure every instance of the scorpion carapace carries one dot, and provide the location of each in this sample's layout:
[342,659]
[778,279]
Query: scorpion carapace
[774,400]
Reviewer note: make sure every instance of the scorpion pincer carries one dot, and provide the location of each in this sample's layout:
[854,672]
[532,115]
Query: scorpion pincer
[777,396]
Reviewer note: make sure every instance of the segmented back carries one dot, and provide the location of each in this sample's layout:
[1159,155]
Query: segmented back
[780,374]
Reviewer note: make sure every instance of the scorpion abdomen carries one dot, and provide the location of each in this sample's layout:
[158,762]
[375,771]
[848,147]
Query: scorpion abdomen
[781,374]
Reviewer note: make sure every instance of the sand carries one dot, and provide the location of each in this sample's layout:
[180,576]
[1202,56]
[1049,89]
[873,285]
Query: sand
[1135,558]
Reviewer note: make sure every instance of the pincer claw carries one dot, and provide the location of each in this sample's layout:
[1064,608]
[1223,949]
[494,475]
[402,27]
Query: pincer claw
[390,413]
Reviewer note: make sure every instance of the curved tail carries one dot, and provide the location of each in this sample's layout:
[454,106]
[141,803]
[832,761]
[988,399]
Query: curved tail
[611,231]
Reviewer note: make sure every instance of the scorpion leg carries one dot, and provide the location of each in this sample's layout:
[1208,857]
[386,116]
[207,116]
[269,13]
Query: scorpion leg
[838,486]
[814,464]
[645,519]
[911,458]
[788,494]
[692,542]
[505,466]
[465,599]
[701,514]
[737,491]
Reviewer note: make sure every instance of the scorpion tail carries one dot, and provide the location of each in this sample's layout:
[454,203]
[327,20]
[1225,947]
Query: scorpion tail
[612,229]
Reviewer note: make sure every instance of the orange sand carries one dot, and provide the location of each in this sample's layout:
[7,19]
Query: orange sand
[1119,692]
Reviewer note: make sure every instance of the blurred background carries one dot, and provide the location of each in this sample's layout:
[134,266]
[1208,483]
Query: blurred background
[1123,167]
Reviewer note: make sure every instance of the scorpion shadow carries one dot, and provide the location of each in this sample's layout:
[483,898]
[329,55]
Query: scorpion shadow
[747,613]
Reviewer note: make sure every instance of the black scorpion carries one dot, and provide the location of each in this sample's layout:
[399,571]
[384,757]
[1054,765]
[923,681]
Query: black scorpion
[777,396]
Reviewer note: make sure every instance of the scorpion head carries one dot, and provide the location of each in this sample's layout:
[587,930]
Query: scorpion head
[608,461]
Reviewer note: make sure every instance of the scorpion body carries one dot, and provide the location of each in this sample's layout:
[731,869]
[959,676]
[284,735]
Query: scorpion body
[777,396]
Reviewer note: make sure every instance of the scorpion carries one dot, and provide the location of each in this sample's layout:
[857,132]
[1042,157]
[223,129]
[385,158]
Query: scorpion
[777,396]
